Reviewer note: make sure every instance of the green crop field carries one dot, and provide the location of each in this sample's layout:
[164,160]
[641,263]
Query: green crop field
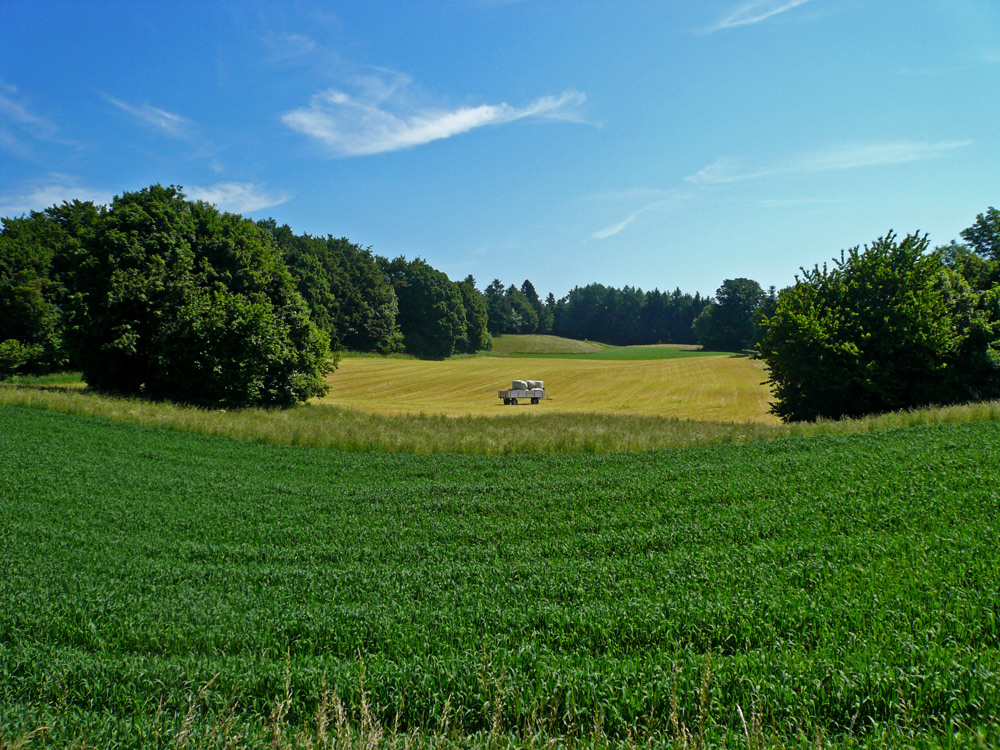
[164,589]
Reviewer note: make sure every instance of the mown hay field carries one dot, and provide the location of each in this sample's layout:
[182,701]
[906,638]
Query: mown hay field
[719,388]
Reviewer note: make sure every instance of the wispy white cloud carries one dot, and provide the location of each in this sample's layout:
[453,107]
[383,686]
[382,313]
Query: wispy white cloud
[237,197]
[855,155]
[15,109]
[835,158]
[380,118]
[285,47]
[20,125]
[158,119]
[728,170]
[50,191]
[614,229]
[723,169]
[663,205]
[754,12]
[791,202]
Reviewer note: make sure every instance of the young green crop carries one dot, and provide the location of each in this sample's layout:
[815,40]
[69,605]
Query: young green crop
[840,587]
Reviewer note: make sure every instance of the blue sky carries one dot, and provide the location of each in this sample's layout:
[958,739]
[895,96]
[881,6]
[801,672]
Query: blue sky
[653,144]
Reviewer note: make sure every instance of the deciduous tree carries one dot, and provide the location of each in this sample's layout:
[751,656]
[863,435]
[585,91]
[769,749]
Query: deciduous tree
[431,313]
[176,300]
[732,322]
[887,327]
[32,294]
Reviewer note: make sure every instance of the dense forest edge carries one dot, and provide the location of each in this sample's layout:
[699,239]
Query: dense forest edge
[160,296]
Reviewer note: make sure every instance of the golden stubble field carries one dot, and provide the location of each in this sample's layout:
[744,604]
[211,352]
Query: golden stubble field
[722,388]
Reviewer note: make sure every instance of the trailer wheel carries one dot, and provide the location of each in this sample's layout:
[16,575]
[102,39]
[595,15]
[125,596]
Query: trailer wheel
[534,400]
[506,402]
[514,401]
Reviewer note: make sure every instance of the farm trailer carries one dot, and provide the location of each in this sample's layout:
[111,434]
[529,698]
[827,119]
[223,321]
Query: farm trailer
[533,389]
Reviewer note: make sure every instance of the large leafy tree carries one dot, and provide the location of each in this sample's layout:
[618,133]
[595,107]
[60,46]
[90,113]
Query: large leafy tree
[667,317]
[176,300]
[32,293]
[978,271]
[732,322]
[553,312]
[317,274]
[887,327]
[626,316]
[983,239]
[369,308]
[584,315]
[29,316]
[431,314]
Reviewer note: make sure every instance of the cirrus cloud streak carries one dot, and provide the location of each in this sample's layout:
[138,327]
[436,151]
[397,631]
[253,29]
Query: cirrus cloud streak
[158,119]
[237,197]
[377,122]
[754,12]
[671,200]
[835,158]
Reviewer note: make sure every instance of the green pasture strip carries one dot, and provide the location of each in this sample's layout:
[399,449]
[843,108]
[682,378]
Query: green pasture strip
[56,378]
[839,588]
[625,353]
[554,347]
[512,344]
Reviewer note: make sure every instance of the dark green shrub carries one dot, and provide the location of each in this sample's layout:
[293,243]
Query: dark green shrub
[888,327]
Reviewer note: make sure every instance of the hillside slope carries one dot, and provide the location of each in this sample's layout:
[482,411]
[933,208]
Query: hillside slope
[541,344]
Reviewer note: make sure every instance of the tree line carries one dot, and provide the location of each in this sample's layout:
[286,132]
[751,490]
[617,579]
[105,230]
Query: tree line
[173,299]
[170,298]
[623,317]
[158,295]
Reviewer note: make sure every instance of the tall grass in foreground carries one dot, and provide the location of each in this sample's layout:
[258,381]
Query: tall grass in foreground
[211,722]
[323,426]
